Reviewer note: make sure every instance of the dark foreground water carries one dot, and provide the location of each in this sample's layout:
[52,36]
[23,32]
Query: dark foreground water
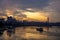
[30,33]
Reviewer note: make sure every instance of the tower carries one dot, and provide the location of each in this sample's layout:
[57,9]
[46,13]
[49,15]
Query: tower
[47,28]
[47,19]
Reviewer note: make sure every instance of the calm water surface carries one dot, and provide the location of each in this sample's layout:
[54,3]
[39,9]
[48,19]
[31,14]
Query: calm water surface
[30,33]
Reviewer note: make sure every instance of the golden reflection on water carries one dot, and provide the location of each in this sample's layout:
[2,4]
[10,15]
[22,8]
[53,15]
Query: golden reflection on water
[34,36]
[30,33]
[25,33]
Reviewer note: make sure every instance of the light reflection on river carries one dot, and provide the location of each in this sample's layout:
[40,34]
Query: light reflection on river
[30,33]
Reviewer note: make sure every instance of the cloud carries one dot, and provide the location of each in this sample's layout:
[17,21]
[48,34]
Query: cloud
[53,10]
[34,3]
[50,7]
[2,13]
[24,3]
[19,14]
[13,5]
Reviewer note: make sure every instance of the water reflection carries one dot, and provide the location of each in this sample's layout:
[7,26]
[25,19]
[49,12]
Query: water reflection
[30,33]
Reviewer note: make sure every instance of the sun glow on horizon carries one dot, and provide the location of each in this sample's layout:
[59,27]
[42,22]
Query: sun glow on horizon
[36,15]
[32,16]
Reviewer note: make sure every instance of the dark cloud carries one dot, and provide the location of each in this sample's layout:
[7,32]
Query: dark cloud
[24,3]
[34,3]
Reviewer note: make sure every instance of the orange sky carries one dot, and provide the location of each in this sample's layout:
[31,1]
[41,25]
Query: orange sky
[31,16]
[36,15]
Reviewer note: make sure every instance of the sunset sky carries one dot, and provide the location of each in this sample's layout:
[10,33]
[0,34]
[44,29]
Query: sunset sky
[35,10]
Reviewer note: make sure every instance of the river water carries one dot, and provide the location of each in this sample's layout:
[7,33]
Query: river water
[30,33]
